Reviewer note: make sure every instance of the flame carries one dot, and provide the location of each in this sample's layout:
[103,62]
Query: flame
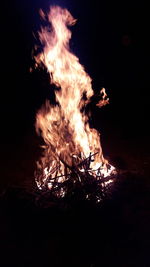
[104,100]
[64,126]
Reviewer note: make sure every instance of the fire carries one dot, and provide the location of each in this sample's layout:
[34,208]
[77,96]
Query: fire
[70,142]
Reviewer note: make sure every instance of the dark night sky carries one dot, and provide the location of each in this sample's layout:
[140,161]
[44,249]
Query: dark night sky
[111,40]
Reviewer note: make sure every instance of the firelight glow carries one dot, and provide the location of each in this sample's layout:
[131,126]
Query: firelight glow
[68,138]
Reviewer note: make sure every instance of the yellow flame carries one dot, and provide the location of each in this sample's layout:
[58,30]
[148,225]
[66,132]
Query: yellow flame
[65,127]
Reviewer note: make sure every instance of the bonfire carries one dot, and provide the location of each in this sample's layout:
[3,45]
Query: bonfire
[72,158]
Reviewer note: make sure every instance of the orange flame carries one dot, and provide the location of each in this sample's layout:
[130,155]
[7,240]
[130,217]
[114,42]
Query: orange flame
[104,100]
[65,128]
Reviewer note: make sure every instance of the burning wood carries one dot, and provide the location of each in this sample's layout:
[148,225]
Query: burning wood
[77,176]
[73,154]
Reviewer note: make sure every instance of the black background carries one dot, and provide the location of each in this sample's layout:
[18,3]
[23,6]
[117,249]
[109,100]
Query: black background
[111,41]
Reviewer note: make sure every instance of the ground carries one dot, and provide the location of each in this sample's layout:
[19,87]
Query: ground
[115,233]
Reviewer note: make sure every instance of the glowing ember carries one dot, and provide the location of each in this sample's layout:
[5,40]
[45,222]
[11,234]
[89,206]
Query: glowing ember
[73,149]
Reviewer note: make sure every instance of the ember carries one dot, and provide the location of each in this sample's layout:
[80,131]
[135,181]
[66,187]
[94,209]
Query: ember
[72,156]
